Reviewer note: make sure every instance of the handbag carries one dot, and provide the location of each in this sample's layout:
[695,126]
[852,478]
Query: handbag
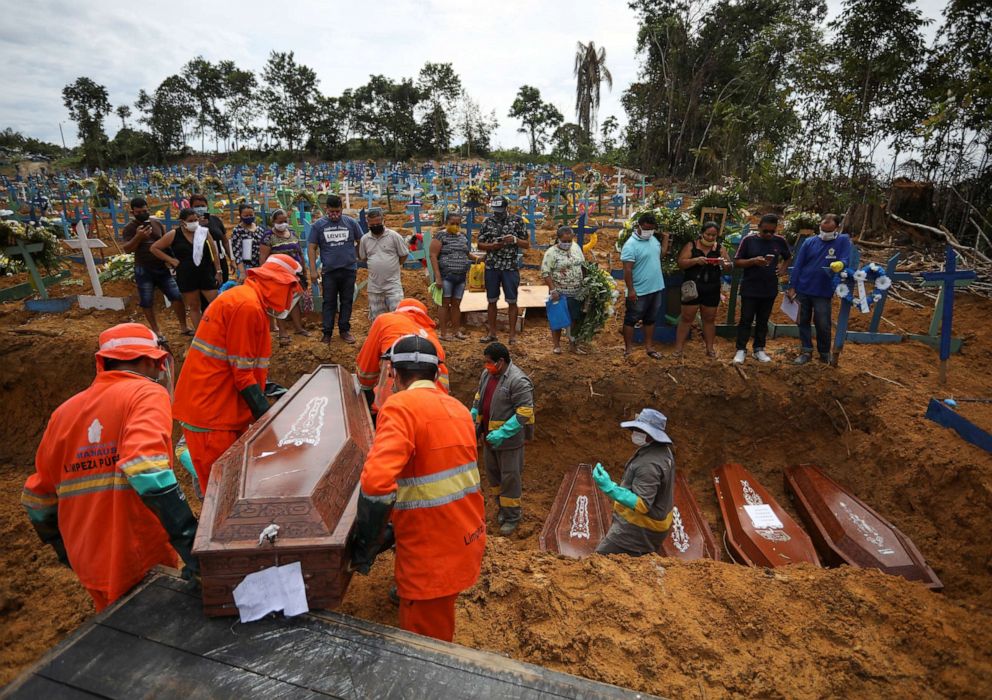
[558,316]
[690,292]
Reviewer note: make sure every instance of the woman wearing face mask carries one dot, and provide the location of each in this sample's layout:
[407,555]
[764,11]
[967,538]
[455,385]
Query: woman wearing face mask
[704,261]
[451,257]
[196,261]
[813,288]
[246,240]
[562,272]
[281,239]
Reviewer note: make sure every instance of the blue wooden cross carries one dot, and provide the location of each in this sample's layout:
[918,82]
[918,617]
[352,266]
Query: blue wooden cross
[948,277]
[872,335]
[581,230]
[414,210]
[854,262]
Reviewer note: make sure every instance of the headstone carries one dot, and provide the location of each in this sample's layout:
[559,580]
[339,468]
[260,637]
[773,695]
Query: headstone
[96,300]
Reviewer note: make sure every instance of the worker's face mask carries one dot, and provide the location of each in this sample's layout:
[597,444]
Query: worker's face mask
[639,438]
[492,367]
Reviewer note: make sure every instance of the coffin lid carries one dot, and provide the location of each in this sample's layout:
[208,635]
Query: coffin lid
[580,516]
[296,467]
[738,493]
[690,536]
[848,531]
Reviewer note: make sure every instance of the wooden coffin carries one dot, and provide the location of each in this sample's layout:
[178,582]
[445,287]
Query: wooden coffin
[298,468]
[845,530]
[758,530]
[690,536]
[580,516]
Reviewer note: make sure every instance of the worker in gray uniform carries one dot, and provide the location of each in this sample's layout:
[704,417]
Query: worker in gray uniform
[642,502]
[503,411]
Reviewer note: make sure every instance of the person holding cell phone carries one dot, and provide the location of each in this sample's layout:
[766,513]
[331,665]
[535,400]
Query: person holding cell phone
[763,257]
[704,261]
[246,240]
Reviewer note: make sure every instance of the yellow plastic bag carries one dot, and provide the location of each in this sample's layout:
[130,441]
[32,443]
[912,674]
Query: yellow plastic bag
[477,276]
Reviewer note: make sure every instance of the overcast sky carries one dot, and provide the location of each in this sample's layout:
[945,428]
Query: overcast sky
[127,45]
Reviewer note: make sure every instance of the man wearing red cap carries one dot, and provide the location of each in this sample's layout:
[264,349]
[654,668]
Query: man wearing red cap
[410,318]
[104,494]
[221,386]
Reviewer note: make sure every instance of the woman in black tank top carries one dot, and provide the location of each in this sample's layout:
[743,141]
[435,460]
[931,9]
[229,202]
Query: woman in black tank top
[175,248]
[703,261]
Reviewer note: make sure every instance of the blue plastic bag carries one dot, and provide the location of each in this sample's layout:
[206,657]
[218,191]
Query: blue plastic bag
[558,316]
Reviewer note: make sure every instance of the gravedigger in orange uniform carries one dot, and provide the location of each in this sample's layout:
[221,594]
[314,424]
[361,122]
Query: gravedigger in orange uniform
[221,386]
[103,493]
[410,318]
[422,472]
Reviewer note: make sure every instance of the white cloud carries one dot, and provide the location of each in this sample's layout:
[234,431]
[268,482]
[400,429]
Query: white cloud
[128,45]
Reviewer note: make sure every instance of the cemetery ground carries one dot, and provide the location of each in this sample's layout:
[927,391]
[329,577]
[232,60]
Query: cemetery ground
[679,629]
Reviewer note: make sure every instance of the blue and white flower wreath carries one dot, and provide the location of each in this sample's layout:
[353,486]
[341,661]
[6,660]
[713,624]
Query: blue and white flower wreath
[872,272]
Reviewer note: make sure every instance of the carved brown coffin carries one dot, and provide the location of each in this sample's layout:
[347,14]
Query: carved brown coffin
[690,536]
[298,468]
[748,511]
[845,530]
[580,516]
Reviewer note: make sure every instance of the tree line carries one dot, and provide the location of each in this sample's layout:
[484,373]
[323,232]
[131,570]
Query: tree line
[224,108]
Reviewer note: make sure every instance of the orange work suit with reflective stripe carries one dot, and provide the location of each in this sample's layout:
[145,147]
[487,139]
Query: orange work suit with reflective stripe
[386,330]
[425,452]
[119,427]
[230,352]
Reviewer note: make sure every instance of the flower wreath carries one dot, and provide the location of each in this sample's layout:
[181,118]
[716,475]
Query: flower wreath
[848,280]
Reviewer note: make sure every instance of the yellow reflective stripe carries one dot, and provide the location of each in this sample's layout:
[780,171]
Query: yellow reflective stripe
[248,362]
[144,464]
[494,490]
[33,499]
[80,487]
[641,506]
[218,353]
[445,382]
[527,413]
[428,492]
[641,520]
[209,350]
[509,502]
[368,375]
[494,424]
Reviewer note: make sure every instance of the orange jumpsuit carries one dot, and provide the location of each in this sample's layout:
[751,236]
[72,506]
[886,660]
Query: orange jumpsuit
[230,352]
[101,449]
[425,452]
[410,318]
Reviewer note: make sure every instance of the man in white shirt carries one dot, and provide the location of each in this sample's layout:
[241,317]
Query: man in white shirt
[385,251]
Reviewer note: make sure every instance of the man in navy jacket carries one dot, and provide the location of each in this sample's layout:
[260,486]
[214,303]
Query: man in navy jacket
[812,285]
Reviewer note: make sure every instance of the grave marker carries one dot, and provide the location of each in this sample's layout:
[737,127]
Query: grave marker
[948,278]
[96,300]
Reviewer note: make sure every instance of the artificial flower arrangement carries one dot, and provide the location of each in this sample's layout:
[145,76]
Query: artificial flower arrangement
[799,221]
[847,281]
[682,227]
[42,232]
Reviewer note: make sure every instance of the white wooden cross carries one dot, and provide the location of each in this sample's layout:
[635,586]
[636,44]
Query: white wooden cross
[347,194]
[96,300]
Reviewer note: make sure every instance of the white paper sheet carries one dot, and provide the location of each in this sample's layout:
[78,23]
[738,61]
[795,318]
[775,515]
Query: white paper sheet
[790,308]
[271,590]
[246,250]
[762,516]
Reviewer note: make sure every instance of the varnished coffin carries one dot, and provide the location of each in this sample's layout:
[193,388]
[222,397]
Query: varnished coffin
[758,530]
[690,536]
[298,468]
[580,516]
[845,530]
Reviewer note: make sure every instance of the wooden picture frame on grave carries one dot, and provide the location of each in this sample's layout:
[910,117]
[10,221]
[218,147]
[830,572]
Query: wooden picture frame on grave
[707,214]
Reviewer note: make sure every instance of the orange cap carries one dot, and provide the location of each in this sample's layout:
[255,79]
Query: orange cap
[128,341]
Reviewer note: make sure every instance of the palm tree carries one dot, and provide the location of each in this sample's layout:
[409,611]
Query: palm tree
[590,72]
[123,111]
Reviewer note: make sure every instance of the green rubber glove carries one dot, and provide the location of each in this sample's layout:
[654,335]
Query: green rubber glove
[170,507]
[621,495]
[475,415]
[505,431]
[370,530]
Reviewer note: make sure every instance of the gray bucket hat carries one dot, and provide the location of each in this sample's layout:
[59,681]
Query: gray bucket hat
[498,203]
[651,422]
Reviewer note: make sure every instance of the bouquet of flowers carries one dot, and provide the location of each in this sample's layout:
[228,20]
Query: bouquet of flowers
[213,183]
[680,224]
[12,231]
[118,267]
[598,295]
[728,198]
[473,194]
[799,221]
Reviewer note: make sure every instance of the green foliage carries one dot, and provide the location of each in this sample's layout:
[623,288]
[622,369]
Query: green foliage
[15,141]
[681,226]
[798,221]
[88,104]
[537,117]
[45,232]
[728,198]
[289,97]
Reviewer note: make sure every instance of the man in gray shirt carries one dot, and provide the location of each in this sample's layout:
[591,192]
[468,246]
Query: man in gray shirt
[385,251]
[642,502]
